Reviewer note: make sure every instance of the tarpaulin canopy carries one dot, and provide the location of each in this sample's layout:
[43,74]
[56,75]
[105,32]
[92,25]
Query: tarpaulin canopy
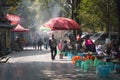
[20,28]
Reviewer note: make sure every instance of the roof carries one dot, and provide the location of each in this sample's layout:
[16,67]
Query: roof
[5,25]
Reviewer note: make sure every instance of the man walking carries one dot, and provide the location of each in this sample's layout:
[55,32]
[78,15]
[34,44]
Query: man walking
[53,46]
[40,43]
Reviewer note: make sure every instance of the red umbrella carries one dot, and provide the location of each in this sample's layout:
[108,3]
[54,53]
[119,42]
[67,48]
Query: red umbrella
[19,28]
[61,23]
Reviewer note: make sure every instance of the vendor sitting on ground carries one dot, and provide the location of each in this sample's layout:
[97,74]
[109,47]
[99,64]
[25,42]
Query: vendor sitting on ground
[113,53]
[99,49]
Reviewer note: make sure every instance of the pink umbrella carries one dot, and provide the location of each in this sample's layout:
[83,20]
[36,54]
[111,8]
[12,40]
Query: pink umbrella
[61,23]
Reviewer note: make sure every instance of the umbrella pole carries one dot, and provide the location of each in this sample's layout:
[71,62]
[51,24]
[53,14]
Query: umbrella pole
[61,34]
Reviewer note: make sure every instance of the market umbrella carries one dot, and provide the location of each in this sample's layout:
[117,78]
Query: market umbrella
[61,23]
[44,28]
[20,28]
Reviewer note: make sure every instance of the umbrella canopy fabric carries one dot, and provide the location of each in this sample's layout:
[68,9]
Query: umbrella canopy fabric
[62,23]
[44,28]
[19,28]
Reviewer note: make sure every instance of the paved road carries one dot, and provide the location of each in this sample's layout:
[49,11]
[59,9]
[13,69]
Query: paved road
[37,65]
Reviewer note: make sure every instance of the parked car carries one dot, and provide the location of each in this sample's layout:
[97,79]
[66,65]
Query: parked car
[84,35]
[101,37]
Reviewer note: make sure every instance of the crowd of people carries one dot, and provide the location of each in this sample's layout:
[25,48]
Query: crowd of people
[77,46]
[110,49]
[37,44]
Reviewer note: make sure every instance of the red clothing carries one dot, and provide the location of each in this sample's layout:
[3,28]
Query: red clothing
[88,42]
[78,37]
[60,46]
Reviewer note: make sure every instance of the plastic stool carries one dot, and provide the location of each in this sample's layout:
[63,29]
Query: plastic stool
[103,71]
[98,62]
[78,63]
[74,58]
[117,68]
[69,56]
[110,66]
[109,63]
[84,66]
[90,62]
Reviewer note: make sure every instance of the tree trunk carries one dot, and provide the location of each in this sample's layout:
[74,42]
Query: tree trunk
[118,9]
[108,18]
[74,16]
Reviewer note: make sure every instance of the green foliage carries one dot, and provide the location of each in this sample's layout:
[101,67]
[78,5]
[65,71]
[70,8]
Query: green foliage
[13,5]
[98,14]
[91,14]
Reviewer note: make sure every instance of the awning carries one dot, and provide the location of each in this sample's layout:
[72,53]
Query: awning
[20,28]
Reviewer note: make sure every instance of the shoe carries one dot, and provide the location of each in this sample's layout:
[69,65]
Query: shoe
[53,58]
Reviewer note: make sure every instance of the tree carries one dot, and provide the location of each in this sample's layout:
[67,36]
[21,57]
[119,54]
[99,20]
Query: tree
[118,10]
[98,15]
[74,6]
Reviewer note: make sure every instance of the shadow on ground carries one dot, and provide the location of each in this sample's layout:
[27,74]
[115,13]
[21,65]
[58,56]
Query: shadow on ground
[48,71]
[37,65]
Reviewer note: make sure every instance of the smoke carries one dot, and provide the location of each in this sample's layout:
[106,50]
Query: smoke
[54,8]
[35,14]
[33,10]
